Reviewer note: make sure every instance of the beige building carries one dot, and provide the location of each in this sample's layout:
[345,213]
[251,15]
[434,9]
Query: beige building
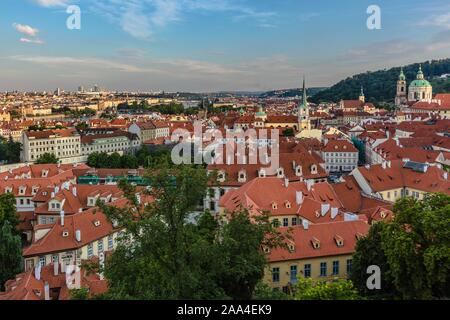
[65,143]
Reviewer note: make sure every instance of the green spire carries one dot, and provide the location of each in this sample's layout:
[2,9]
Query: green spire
[402,75]
[362,92]
[420,73]
[305,97]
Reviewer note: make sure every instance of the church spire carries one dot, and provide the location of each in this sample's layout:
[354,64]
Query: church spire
[305,97]
[362,98]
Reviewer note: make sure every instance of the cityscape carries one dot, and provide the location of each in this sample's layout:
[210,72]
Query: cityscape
[147,154]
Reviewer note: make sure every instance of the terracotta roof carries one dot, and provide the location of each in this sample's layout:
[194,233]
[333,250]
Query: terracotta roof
[326,234]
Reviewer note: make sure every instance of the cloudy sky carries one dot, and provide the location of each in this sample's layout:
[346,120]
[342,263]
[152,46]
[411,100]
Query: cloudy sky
[210,45]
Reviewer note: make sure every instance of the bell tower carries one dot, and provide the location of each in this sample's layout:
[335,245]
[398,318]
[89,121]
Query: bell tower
[303,111]
[401,96]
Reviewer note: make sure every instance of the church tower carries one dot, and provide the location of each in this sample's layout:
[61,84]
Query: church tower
[362,98]
[303,111]
[401,96]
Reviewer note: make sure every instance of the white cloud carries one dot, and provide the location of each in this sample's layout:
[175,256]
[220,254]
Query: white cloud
[141,18]
[438,20]
[51,3]
[35,41]
[26,29]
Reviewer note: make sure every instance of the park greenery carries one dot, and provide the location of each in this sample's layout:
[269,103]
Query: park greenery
[10,241]
[144,107]
[47,158]
[9,150]
[412,251]
[143,158]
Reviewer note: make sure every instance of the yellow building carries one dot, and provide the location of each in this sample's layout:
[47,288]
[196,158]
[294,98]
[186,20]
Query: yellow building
[316,251]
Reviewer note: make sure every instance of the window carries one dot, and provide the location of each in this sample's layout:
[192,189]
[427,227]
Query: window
[275,274]
[285,222]
[110,242]
[55,258]
[42,261]
[276,223]
[294,221]
[307,271]
[90,250]
[335,267]
[293,274]
[349,266]
[323,269]
[100,246]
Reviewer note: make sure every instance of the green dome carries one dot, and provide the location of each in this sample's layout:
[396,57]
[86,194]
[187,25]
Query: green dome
[420,83]
[261,114]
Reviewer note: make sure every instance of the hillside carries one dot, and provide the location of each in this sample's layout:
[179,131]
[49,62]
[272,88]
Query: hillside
[380,86]
[286,93]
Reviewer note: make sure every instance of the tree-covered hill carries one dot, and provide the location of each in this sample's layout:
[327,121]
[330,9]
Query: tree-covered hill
[287,93]
[380,86]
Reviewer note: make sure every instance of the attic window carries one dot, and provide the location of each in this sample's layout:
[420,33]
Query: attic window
[383,215]
[291,247]
[315,243]
[359,235]
[266,250]
[274,205]
[288,204]
[65,233]
[339,241]
[97,223]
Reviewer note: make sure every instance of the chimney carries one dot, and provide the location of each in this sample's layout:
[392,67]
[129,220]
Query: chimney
[305,224]
[63,267]
[299,197]
[383,164]
[286,182]
[78,235]
[389,164]
[47,291]
[74,191]
[52,195]
[37,271]
[324,209]
[309,184]
[334,212]
[445,176]
[62,217]
[55,268]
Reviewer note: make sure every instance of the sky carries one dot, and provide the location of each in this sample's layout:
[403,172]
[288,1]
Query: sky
[212,45]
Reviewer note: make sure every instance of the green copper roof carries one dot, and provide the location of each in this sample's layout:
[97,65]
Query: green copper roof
[304,104]
[420,83]
[402,75]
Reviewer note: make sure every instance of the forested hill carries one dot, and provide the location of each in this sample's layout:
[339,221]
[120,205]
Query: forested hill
[380,86]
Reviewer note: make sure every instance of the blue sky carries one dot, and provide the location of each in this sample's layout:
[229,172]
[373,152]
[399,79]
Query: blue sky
[208,45]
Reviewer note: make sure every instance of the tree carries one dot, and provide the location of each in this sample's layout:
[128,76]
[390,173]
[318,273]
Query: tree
[369,252]
[8,209]
[417,247]
[79,294]
[289,132]
[129,161]
[10,150]
[82,126]
[308,289]
[176,254]
[10,253]
[47,158]
[114,161]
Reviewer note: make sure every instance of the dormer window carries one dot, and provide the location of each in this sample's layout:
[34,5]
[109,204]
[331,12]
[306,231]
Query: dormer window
[339,240]
[54,206]
[288,204]
[97,223]
[262,173]
[291,247]
[280,173]
[8,190]
[22,190]
[315,243]
[221,176]
[298,171]
[266,250]
[65,233]
[359,236]
[314,169]
[274,206]
[44,173]
[34,190]
[242,177]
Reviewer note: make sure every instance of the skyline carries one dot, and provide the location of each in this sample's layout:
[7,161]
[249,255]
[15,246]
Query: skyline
[215,45]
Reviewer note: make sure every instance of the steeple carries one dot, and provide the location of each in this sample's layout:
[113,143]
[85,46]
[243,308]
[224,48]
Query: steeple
[401,77]
[303,111]
[420,73]
[362,98]
[305,98]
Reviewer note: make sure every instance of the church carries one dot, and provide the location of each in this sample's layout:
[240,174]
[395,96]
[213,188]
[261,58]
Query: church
[419,89]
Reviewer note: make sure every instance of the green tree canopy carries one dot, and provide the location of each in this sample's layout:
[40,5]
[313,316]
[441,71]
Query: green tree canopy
[47,158]
[308,289]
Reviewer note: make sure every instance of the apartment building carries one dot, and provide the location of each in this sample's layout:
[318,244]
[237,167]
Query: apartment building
[109,141]
[64,143]
[340,156]
[150,130]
